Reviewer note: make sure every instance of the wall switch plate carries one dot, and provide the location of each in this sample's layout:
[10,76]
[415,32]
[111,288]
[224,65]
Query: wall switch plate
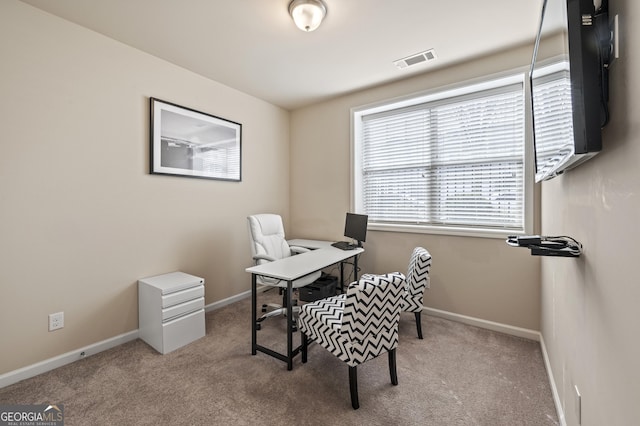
[56,321]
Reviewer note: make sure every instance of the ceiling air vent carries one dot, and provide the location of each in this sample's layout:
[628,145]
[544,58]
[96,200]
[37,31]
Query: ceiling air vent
[418,58]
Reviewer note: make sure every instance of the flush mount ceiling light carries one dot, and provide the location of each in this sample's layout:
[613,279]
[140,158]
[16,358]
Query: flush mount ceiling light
[307,14]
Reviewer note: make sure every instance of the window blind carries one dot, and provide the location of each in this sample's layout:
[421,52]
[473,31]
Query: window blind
[452,162]
[554,119]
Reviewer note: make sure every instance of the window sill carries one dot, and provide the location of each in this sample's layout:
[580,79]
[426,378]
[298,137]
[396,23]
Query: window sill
[442,230]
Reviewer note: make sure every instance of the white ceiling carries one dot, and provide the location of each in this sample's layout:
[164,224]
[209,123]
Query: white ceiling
[253,45]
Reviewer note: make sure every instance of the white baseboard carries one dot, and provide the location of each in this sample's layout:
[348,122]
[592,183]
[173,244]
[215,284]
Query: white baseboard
[229,300]
[72,356]
[69,357]
[514,331]
[64,359]
[552,383]
[489,325]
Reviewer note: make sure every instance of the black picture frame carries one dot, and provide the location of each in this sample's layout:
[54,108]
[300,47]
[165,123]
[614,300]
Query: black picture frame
[186,142]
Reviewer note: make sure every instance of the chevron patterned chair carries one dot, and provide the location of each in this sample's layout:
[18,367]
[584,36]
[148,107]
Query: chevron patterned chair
[416,283]
[358,325]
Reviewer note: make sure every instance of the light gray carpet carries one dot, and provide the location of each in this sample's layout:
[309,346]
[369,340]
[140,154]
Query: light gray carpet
[457,375]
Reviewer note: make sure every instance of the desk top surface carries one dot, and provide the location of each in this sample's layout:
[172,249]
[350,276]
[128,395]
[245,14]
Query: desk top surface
[310,244]
[294,267]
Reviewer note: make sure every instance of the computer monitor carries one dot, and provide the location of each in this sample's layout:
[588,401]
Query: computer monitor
[355,227]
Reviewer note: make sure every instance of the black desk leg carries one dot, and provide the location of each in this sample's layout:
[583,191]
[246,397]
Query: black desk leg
[341,277]
[289,325]
[254,300]
[355,267]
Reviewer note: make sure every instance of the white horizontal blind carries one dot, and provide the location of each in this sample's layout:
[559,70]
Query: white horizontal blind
[457,162]
[553,120]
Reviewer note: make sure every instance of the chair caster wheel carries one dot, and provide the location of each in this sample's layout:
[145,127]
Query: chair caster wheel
[258,326]
[264,308]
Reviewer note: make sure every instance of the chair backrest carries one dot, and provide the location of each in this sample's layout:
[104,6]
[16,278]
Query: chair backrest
[371,315]
[417,279]
[266,235]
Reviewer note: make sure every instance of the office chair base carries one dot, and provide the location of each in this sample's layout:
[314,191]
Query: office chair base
[266,306]
[278,312]
[276,306]
[259,327]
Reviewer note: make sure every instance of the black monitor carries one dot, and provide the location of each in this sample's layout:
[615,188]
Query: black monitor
[355,227]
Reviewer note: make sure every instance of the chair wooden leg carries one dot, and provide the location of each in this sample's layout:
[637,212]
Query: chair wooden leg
[392,367]
[353,387]
[305,343]
[418,325]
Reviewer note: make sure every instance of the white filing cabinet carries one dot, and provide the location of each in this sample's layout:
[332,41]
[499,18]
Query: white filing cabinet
[171,310]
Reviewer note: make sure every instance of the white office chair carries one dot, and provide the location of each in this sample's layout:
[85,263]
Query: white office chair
[266,235]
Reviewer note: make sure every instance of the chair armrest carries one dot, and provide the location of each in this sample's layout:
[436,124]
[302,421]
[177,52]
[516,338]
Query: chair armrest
[266,257]
[297,249]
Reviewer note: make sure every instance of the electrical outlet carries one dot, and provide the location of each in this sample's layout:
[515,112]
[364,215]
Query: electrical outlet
[56,321]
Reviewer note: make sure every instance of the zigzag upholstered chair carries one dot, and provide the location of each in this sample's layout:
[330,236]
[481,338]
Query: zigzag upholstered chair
[358,325]
[416,283]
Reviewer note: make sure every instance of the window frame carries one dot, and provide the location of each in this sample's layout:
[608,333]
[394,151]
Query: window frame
[438,94]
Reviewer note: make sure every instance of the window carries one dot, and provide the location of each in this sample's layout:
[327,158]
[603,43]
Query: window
[448,162]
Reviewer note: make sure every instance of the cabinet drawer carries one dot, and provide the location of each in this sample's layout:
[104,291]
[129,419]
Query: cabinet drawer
[182,296]
[182,331]
[182,309]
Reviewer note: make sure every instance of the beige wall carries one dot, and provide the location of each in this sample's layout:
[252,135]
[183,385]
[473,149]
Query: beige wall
[590,320]
[81,219]
[478,277]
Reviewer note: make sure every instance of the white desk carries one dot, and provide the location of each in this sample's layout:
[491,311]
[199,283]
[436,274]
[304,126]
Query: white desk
[320,244]
[310,244]
[290,269]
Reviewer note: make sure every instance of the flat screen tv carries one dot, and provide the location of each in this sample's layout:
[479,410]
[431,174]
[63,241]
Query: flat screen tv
[569,84]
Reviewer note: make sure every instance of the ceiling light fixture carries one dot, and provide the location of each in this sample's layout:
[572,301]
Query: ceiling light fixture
[307,14]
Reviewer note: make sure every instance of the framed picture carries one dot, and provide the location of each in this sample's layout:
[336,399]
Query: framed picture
[191,143]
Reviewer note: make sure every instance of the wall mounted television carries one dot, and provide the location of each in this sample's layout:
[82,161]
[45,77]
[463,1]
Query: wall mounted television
[569,84]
